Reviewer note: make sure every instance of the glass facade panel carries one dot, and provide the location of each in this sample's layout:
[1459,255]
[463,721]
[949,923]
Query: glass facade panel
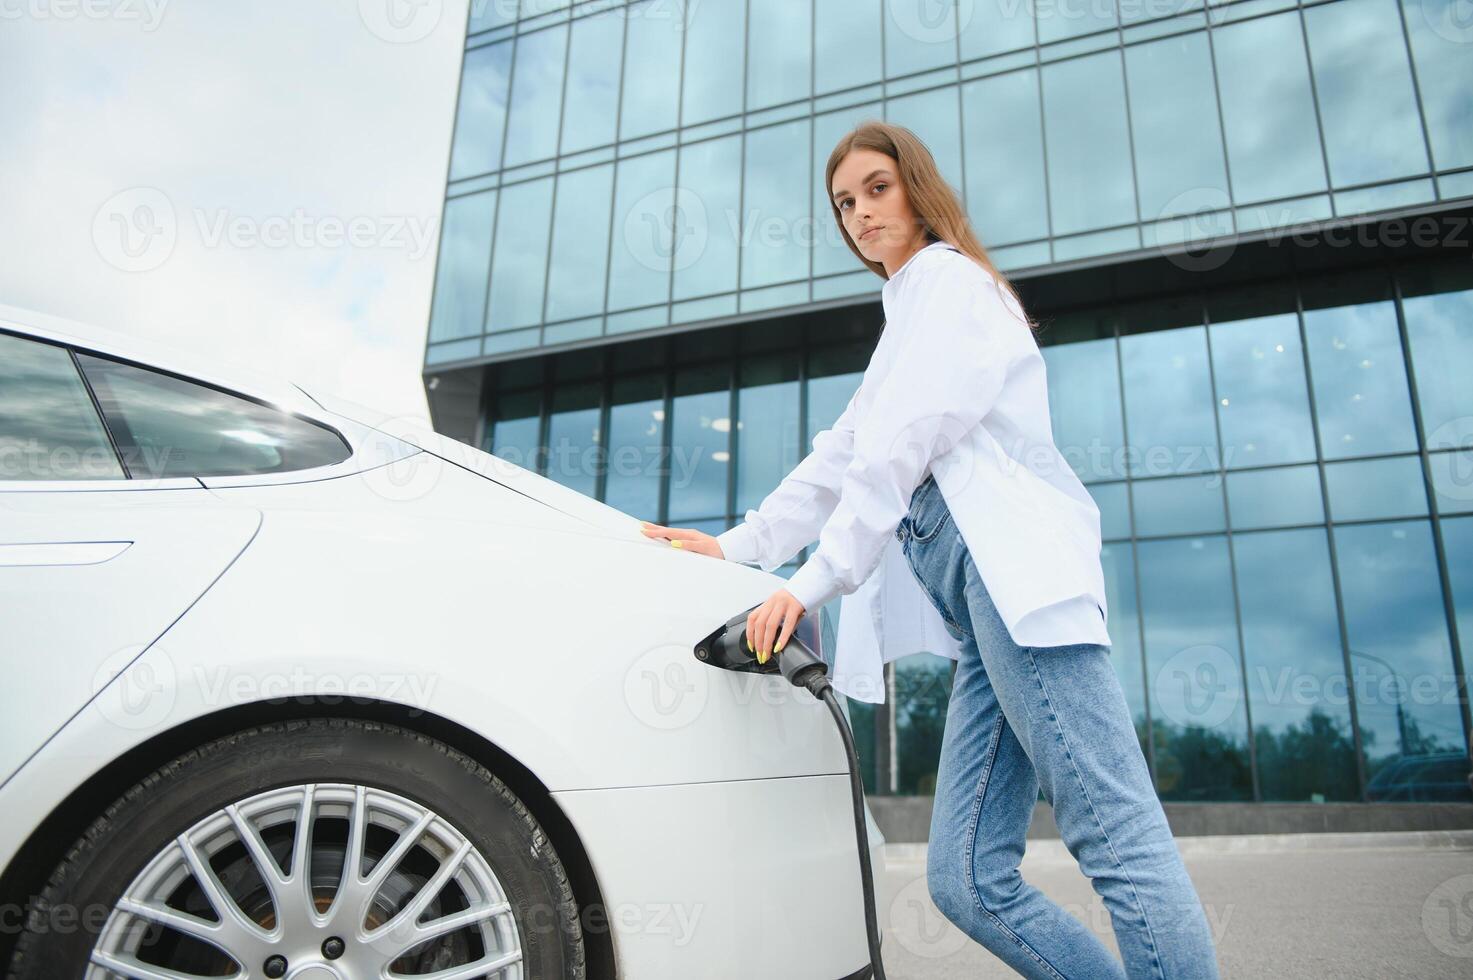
[1360,381]
[705,255]
[919,36]
[580,243]
[460,276]
[1104,150]
[779,52]
[846,43]
[1005,149]
[515,429]
[1364,85]
[1178,505]
[833,378]
[591,109]
[1085,409]
[1440,330]
[1267,109]
[1302,736]
[1089,170]
[922,692]
[636,437]
[651,68]
[1275,498]
[1376,489]
[1168,402]
[536,96]
[481,114]
[574,446]
[767,430]
[1179,158]
[711,34]
[639,265]
[519,262]
[994,26]
[1401,662]
[1439,36]
[1457,543]
[1124,624]
[1262,396]
[700,442]
[775,208]
[1452,481]
[1192,662]
[486,14]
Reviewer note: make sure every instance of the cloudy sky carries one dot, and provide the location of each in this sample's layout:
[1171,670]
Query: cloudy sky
[261,180]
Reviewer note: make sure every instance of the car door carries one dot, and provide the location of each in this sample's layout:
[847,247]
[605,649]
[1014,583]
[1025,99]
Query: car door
[107,536]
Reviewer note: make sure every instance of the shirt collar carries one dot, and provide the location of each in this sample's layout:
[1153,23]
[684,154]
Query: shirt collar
[906,264]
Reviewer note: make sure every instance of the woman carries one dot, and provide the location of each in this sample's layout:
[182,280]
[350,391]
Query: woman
[947,447]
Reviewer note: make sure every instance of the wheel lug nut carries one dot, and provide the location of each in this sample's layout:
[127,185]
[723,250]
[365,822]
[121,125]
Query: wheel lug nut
[332,948]
[275,966]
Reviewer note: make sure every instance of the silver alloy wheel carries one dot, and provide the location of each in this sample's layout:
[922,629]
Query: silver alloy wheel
[321,881]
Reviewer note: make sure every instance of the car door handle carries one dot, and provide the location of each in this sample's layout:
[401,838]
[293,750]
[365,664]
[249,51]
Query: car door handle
[61,553]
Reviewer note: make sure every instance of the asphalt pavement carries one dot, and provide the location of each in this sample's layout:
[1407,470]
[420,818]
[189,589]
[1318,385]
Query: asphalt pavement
[1380,906]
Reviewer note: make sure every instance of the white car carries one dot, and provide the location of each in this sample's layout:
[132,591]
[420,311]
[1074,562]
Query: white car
[294,690]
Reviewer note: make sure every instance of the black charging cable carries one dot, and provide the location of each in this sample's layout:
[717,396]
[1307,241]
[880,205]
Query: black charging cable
[727,648]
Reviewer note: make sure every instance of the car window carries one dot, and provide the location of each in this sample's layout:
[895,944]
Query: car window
[167,427]
[49,429]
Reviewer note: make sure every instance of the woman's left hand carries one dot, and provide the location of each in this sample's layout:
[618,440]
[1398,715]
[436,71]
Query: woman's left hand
[770,624]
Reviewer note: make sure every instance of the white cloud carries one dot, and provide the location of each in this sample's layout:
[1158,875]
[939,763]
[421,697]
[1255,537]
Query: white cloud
[312,136]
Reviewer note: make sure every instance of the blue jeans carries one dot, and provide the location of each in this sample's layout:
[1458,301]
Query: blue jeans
[1021,718]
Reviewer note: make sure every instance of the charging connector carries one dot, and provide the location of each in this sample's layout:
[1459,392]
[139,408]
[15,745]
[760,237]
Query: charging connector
[798,662]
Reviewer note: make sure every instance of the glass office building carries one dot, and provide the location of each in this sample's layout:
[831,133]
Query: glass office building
[1244,227]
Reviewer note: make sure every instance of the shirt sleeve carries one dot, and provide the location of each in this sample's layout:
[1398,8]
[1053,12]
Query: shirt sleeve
[958,342]
[790,516]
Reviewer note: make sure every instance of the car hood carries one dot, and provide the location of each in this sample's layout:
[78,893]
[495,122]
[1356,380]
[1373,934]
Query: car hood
[599,517]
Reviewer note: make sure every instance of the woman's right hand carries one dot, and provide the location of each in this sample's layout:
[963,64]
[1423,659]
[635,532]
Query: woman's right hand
[685,538]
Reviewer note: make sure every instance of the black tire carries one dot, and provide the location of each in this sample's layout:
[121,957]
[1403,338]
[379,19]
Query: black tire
[143,822]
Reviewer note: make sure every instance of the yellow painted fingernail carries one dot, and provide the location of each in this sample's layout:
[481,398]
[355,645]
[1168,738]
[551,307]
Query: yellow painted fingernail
[761,657]
[780,647]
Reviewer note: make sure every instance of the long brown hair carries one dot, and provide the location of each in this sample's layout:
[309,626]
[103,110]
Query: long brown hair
[932,199]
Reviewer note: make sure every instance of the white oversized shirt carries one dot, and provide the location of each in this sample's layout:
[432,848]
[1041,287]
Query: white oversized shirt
[956,387]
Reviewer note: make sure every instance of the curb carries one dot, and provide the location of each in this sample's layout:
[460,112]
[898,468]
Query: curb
[1046,850]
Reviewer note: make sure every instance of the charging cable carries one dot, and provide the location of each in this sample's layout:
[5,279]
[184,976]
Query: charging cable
[727,648]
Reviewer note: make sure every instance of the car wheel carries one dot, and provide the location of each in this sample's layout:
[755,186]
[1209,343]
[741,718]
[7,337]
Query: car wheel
[322,849]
